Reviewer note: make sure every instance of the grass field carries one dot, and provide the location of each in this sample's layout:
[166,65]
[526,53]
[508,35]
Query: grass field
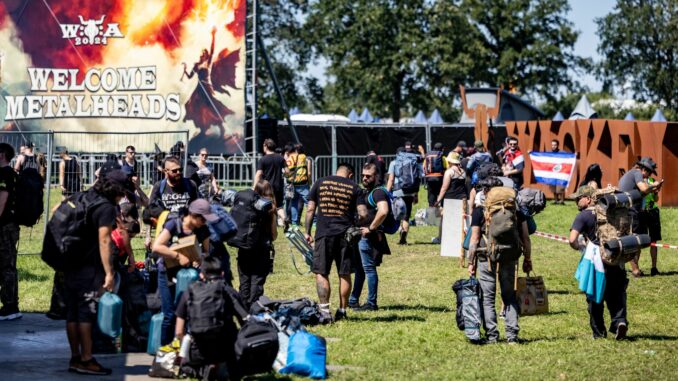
[414,335]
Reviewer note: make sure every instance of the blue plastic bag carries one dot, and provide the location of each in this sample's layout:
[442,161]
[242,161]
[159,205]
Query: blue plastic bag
[306,356]
[109,314]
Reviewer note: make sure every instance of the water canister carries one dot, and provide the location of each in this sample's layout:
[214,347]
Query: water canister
[109,315]
[154,333]
[184,279]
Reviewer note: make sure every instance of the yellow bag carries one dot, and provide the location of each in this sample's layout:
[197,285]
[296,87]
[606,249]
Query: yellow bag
[532,296]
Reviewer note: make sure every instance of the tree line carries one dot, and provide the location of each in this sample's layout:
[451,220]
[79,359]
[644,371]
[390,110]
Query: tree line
[397,57]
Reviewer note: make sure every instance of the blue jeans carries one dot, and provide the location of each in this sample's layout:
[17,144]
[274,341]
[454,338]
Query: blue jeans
[365,269]
[300,195]
[167,300]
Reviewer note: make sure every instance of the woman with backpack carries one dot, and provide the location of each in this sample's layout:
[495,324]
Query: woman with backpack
[192,223]
[255,263]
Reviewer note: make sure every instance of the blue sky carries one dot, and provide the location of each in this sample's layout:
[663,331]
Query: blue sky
[582,15]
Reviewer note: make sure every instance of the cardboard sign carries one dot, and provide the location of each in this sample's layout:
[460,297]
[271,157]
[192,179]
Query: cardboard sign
[453,228]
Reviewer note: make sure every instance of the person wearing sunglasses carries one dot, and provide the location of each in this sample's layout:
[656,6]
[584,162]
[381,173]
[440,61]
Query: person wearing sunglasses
[513,163]
[208,187]
[174,192]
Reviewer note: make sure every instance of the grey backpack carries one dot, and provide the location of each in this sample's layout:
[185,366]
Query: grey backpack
[531,201]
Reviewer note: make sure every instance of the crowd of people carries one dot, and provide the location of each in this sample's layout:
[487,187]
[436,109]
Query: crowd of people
[347,222]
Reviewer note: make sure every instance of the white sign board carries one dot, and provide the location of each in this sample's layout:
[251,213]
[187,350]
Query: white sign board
[452,236]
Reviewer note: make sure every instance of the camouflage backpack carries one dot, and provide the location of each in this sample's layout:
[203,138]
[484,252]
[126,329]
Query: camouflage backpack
[613,225]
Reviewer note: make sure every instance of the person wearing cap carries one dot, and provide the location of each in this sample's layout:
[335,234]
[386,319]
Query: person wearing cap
[583,232]
[94,272]
[636,179]
[192,223]
[479,157]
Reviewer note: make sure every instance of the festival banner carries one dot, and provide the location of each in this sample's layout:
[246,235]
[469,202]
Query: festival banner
[125,66]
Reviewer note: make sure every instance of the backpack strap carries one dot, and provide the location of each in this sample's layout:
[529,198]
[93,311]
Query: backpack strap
[163,185]
[370,197]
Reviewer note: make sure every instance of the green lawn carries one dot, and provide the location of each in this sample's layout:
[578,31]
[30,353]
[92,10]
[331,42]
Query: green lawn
[414,335]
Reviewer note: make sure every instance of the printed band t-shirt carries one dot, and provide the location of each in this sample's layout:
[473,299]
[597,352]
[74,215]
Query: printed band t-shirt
[175,197]
[335,198]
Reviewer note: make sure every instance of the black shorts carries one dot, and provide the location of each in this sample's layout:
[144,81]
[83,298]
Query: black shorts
[82,293]
[409,200]
[652,223]
[638,222]
[278,198]
[332,248]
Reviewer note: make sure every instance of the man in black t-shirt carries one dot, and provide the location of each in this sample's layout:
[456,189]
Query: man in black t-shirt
[335,199]
[9,235]
[271,168]
[373,210]
[175,191]
[584,229]
[84,283]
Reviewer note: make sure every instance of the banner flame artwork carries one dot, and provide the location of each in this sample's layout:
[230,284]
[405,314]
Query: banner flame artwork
[123,66]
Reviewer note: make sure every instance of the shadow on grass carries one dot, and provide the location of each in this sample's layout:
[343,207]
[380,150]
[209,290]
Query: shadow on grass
[403,307]
[668,273]
[652,337]
[28,276]
[387,319]
[562,292]
[267,377]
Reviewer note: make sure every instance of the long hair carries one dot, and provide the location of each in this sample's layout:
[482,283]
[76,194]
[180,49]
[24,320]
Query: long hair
[593,173]
[263,188]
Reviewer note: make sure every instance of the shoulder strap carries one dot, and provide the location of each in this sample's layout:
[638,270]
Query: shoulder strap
[163,184]
[370,197]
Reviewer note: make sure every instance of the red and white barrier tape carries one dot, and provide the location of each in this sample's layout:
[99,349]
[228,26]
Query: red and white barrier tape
[565,239]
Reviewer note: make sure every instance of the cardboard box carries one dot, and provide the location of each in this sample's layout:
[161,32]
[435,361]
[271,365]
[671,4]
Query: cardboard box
[187,246]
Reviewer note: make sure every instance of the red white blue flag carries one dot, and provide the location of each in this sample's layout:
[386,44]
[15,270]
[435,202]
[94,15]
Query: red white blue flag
[553,168]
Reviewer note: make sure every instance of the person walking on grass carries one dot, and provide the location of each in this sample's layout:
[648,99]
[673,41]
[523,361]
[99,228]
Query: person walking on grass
[583,233]
[500,270]
[334,199]
[373,210]
[404,179]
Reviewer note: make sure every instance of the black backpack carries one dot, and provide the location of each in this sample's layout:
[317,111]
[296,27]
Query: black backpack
[29,203]
[206,308]
[256,346]
[63,246]
[248,219]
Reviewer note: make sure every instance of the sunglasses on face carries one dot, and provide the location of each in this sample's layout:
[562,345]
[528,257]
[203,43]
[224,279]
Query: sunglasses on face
[175,170]
[203,154]
[367,175]
[513,144]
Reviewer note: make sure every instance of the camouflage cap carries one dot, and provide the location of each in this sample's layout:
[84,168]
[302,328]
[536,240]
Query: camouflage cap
[583,191]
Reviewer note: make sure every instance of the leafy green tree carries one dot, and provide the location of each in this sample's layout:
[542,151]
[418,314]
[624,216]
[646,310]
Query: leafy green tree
[392,56]
[639,43]
[280,23]
[530,45]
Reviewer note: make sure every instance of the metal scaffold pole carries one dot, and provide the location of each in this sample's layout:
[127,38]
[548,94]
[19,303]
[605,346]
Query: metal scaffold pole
[251,81]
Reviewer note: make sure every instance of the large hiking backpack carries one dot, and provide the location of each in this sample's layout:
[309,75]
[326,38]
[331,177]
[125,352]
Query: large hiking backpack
[501,238]
[224,228]
[397,210]
[249,218]
[63,246]
[469,314]
[408,172]
[29,203]
[434,166]
[206,308]
[613,225]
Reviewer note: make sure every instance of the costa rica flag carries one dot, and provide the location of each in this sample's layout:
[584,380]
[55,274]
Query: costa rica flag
[553,168]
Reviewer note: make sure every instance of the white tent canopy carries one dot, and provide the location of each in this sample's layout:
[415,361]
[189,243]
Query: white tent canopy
[583,110]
